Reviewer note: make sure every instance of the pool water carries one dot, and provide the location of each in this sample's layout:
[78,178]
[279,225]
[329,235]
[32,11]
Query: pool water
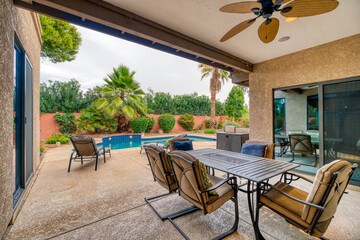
[131,141]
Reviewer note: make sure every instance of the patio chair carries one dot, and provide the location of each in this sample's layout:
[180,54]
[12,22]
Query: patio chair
[85,149]
[269,149]
[162,145]
[189,174]
[176,139]
[301,143]
[163,174]
[312,212]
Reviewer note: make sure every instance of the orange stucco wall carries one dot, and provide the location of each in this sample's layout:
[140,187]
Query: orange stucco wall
[48,125]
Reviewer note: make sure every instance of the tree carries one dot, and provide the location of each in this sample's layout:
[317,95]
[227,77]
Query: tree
[124,95]
[61,41]
[217,79]
[57,96]
[234,104]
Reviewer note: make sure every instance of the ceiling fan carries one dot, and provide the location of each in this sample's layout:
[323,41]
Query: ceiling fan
[265,8]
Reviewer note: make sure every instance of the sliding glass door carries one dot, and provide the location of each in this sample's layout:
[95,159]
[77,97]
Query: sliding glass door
[342,123]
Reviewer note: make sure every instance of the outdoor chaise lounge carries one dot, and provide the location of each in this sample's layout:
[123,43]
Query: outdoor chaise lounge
[190,177]
[313,211]
[163,174]
[162,145]
[85,149]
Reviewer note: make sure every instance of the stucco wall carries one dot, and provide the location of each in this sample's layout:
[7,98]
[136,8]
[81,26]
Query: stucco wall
[6,110]
[21,21]
[334,60]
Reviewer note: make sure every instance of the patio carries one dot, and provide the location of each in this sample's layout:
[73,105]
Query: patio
[109,204]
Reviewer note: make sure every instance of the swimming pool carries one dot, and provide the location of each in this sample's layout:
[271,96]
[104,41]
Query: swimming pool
[131,141]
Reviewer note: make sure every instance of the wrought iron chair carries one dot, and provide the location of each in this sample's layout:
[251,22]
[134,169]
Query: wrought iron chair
[192,188]
[301,143]
[163,174]
[86,150]
[312,212]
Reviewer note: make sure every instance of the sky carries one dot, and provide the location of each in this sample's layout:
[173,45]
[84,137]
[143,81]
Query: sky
[160,71]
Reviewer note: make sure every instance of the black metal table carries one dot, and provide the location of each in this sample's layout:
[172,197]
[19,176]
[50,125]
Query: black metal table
[255,169]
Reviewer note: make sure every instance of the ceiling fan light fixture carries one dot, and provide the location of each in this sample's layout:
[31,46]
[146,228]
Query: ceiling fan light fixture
[283,39]
[290,19]
[278,2]
[255,10]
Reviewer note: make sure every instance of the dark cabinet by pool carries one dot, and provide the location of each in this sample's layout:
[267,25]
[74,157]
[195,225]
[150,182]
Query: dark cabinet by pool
[231,141]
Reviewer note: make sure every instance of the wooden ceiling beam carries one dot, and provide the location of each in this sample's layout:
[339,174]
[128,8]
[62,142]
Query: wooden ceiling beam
[108,15]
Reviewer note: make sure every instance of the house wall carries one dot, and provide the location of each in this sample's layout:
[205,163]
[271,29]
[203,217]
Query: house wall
[26,26]
[334,60]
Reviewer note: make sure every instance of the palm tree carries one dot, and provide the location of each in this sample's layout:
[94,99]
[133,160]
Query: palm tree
[123,95]
[218,78]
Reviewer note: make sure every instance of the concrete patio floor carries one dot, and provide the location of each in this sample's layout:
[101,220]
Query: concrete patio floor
[109,204]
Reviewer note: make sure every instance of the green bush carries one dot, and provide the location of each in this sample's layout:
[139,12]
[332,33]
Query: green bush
[57,138]
[220,125]
[66,122]
[207,123]
[93,120]
[209,131]
[166,122]
[199,127]
[187,121]
[139,125]
[150,125]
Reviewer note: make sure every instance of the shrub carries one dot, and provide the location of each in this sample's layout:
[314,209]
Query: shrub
[209,131]
[187,121]
[199,127]
[166,122]
[139,125]
[207,123]
[95,121]
[220,125]
[66,122]
[150,125]
[42,149]
[57,138]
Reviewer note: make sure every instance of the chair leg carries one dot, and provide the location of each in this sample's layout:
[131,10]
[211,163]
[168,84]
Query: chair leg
[293,157]
[96,162]
[172,215]
[221,236]
[71,156]
[104,156]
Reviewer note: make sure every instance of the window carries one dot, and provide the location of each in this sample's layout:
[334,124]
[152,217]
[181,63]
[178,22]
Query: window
[313,112]
[279,116]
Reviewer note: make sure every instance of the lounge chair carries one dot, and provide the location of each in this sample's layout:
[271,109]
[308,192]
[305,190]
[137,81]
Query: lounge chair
[163,174]
[85,149]
[192,187]
[312,212]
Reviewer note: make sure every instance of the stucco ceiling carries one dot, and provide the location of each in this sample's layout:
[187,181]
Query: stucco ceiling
[202,20]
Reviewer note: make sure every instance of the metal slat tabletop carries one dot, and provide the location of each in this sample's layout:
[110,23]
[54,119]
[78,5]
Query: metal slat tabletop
[256,169]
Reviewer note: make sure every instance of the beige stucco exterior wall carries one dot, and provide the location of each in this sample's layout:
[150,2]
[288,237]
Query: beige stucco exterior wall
[334,60]
[27,28]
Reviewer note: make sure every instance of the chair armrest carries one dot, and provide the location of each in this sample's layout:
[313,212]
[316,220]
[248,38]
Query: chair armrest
[294,198]
[221,183]
[299,176]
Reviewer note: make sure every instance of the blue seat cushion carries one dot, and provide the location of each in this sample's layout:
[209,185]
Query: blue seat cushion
[183,145]
[253,149]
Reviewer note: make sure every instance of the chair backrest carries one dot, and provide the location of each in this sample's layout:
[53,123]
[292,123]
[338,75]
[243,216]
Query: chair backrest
[189,179]
[171,142]
[84,145]
[300,143]
[330,183]
[160,166]
[269,150]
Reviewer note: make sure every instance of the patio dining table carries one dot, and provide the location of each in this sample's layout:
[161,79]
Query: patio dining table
[255,169]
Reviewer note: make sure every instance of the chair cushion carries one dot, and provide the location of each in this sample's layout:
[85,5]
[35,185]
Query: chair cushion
[284,205]
[253,149]
[183,145]
[269,150]
[320,185]
[207,181]
[225,192]
[178,139]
